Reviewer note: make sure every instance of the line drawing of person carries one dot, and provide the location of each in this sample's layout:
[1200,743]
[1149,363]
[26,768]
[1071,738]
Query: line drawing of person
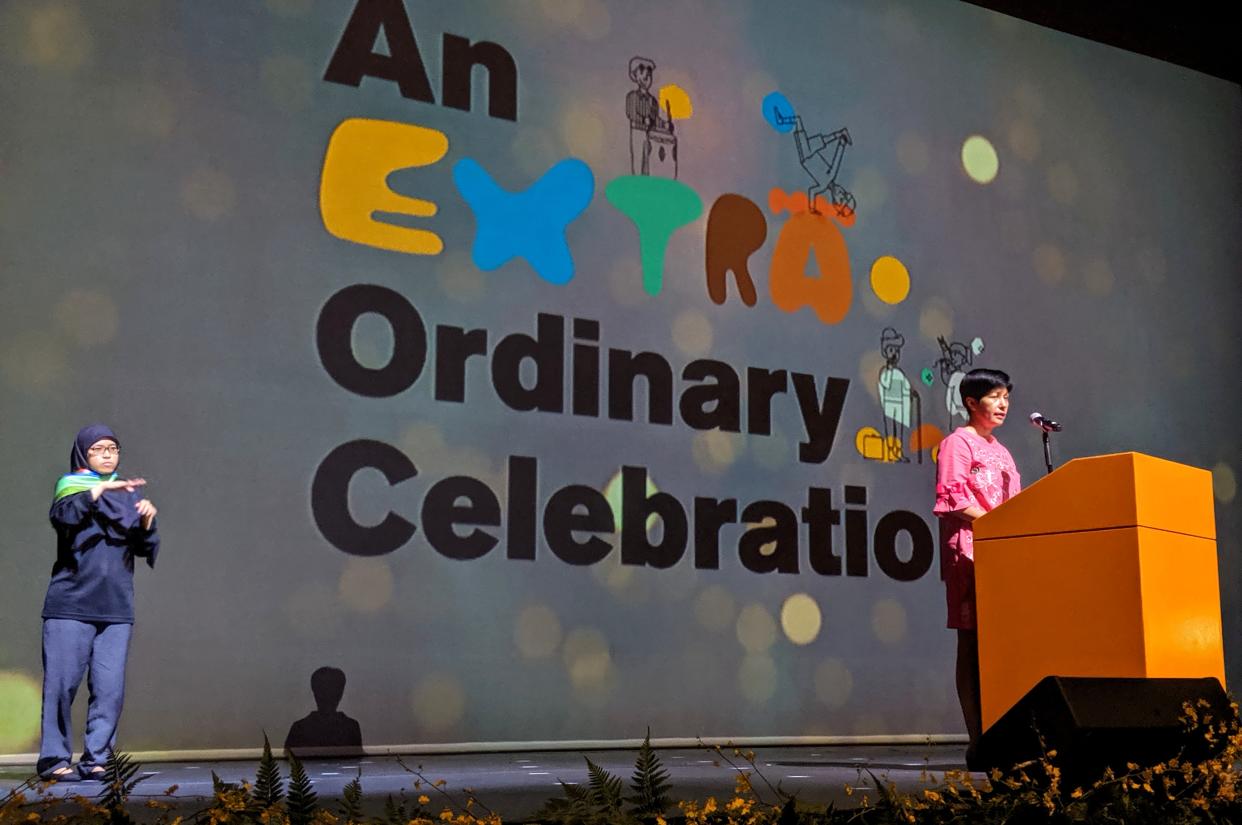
[650,129]
[326,728]
[955,359]
[812,155]
[895,395]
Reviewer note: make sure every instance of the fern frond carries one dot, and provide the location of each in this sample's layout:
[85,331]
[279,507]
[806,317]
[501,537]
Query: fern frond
[301,801]
[351,799]
[395,812]
[649,783]
[268,785]
[118,784]
[574,808]
[219,786]
[605,790]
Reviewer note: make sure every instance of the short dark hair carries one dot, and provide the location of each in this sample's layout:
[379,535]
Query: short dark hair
[978,383]
[328,685]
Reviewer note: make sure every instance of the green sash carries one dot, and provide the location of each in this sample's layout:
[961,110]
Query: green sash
[79,482]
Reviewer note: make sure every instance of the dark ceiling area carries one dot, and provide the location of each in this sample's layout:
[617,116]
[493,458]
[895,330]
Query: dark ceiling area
[1193,33]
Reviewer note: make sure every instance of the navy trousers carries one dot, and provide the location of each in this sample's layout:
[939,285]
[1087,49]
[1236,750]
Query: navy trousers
[72,649]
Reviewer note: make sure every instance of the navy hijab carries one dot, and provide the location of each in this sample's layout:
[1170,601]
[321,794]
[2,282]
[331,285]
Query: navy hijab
[87,436]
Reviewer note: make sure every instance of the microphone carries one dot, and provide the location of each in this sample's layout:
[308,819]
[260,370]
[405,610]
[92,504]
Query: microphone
[1045,424]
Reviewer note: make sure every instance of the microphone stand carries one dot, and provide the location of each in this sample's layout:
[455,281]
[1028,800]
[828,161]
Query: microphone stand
[1047,451]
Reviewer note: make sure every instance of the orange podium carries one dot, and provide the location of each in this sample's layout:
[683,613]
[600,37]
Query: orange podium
[1106,567]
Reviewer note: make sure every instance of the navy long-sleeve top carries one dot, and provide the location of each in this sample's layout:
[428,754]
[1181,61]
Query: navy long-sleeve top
[96,543]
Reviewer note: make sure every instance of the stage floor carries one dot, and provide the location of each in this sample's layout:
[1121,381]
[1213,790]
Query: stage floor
[515,785]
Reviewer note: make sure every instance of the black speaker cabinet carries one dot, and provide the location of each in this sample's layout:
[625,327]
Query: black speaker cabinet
[1093,723]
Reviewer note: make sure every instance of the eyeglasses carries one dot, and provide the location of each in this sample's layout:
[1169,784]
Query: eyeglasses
[105,449]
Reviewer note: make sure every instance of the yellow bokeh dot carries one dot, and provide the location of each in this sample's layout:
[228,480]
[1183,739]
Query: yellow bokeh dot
[888,621]
[801,619]
[562,11]
[618,577]
[692,333]
[676,101]
[1224,483]
[833,683]
[979,159]
[890,280]
[54,35]
[1099,277]
[1024,140]
[208,194]
[439,702]
[583,132]
[715,608]
[756,629]
[21,702]
[537,632]
[1049,264]
[587,658]
[87,317]
[912,153]
[365,584]
[936,319]
[1062,183]
[756,678]
[715,451]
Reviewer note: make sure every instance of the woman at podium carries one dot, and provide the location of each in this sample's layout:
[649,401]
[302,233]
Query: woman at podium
[974,474]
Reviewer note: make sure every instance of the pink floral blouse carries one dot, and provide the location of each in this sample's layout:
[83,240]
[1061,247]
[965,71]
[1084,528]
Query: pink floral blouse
[970,469]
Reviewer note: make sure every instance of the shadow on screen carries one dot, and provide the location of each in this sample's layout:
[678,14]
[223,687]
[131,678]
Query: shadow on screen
[326,731]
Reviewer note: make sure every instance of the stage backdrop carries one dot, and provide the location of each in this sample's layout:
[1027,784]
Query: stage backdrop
[494,355]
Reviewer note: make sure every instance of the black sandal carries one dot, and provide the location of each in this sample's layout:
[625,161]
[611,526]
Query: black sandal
[62,774]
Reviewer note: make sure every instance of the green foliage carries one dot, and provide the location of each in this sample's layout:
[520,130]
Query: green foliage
[351,801]
[118,783]
[600,801]
[269,787]
[301,801]
[604,790]
[649,783]
[395,812]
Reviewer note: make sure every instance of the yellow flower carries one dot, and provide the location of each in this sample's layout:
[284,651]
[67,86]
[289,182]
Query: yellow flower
[423,799]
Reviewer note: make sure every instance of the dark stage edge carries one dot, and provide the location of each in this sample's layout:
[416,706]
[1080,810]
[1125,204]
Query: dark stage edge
[515,785]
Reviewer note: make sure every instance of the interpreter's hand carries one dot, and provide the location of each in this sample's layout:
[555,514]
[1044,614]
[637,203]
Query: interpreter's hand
[126,484]
[147,510]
